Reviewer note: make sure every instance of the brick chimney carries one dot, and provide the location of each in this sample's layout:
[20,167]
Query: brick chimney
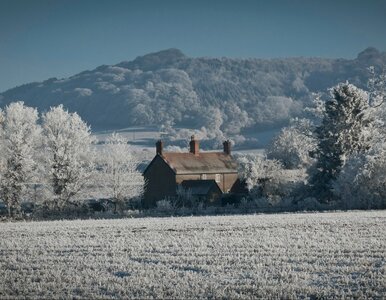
[159,147]
[227,147]
[194,145]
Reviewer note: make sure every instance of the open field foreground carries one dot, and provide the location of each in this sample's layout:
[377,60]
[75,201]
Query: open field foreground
[283,255]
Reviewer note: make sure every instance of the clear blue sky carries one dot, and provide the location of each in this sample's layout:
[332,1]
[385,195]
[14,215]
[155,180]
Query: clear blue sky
[41,39]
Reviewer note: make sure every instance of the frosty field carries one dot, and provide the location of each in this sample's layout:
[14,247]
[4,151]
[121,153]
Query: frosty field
[283,255]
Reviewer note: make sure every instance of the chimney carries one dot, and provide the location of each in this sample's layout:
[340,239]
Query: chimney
[194,145]
[159,147]
[227,147]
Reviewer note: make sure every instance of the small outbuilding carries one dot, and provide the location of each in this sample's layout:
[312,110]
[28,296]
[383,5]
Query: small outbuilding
[206,191]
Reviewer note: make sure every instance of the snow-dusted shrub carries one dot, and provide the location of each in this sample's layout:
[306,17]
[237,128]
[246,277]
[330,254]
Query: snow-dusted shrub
[165,206]
[184,198]
[309,203]
[246,205]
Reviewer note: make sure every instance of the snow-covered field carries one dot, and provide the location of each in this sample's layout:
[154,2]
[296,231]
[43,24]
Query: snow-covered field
[283,255]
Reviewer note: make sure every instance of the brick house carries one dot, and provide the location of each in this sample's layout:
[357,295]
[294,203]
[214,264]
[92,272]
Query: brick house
[167,170]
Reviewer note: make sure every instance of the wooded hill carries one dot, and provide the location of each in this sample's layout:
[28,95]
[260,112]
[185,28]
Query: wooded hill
[168,87]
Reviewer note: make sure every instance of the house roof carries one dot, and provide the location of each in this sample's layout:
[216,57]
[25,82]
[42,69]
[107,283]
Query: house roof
[204,162]
[200,187]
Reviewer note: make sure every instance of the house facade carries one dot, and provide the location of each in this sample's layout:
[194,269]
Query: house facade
[167,170]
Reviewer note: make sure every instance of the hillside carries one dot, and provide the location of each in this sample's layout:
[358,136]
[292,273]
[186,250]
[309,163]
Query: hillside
[169,88]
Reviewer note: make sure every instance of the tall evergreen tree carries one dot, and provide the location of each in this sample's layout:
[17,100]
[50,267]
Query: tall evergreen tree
[345,129]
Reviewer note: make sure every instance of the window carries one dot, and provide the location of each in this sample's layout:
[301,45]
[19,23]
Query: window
[218,177]
[203,176]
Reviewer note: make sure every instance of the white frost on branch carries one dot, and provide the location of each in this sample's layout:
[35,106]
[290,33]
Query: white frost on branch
[67,157]
[293,145]
[118,177]
[19,138]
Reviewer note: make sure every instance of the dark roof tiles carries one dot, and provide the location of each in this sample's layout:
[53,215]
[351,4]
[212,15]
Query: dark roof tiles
[204,162]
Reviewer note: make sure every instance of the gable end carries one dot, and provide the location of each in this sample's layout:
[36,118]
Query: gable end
[152,162]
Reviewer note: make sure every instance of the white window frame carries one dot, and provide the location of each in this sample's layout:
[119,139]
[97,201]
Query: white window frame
[203,176]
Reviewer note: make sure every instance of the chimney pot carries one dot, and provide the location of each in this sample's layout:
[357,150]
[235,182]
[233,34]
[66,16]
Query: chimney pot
[159,147]
[227,147]
[194,145]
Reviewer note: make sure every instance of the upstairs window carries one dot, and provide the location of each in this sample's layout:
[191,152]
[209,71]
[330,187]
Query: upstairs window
[218,178]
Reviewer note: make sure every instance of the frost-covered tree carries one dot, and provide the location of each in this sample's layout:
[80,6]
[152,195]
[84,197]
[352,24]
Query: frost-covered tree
[119,179]
[269,184]
[262,176]
[361,184]
[213,120]
[277,109]
[235,118]
[293,145]
[377,87]
[19,136]
[345,129]
[67,157]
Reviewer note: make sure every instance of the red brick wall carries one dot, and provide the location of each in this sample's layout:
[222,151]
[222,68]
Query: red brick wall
[160,182]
